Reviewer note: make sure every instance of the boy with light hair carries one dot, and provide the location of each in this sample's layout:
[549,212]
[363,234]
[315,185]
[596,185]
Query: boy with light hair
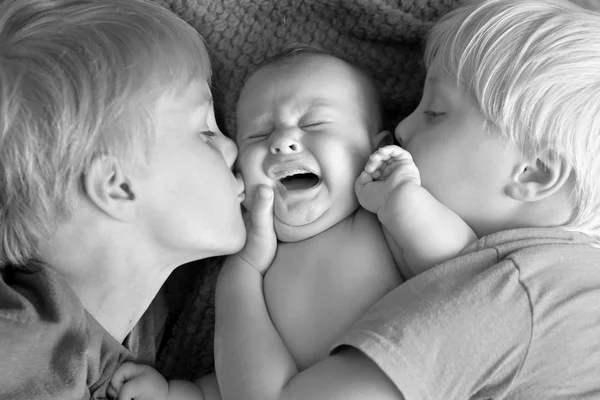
[113,172]
[506,136]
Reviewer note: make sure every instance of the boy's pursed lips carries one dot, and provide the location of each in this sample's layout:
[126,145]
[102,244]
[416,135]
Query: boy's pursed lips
[241,187]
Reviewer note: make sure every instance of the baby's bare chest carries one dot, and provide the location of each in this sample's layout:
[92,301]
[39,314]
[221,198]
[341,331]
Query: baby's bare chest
[316,289]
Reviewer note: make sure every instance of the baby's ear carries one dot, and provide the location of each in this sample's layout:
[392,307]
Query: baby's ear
[383,138]
[539,177]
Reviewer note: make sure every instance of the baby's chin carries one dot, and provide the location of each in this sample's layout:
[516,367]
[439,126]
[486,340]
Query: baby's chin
[295,233]
[301,220]
[289,233]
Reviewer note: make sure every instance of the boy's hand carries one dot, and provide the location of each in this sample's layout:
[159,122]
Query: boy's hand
[261,241]
[386,171]
[139,382]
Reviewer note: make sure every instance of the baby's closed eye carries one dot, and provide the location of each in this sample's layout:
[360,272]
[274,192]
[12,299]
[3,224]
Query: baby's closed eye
[257,135]
[313,124]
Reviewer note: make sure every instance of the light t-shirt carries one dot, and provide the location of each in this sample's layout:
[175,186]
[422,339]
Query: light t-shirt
[515,316]
[51,348]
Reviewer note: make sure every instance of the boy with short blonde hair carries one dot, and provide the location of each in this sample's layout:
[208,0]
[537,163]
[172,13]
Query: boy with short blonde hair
[506,136]
[92,104]
[112,174]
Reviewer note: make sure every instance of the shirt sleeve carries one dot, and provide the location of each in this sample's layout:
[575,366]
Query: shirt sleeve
[42,338]
[453,332]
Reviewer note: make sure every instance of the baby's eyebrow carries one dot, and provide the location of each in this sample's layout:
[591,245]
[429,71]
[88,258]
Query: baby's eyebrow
[315,103]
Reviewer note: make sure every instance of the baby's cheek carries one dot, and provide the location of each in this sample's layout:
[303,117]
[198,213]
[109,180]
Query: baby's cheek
[250,158]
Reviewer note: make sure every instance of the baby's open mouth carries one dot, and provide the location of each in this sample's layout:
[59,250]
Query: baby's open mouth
[300,181]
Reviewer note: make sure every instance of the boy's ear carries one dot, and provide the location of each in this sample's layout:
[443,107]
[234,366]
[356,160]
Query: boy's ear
[538,177]
[109,189]
[382,138]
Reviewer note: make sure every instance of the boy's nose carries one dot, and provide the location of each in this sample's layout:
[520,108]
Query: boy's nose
[229,150]
[403,131]
[285,143]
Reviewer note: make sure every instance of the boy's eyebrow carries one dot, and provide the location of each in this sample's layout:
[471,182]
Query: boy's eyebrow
[206,98]
[201,97]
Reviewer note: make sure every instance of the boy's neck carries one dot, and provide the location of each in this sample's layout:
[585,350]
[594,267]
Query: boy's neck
[117,307]
[555,210]
[114,283]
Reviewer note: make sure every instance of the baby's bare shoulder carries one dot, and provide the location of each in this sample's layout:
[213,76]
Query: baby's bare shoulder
[365,230]
[360,248]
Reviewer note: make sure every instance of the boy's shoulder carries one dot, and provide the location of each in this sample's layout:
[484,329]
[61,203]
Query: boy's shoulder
[41,337]
[529,295]
[560,274]
[550,253]
[34,296]
[51,346]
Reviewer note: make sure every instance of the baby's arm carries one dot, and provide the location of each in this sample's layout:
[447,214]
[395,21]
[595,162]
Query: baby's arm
[426,231]
[251,359]
[142,382]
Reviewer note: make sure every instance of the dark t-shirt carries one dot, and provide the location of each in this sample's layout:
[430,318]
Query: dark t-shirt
[52,348]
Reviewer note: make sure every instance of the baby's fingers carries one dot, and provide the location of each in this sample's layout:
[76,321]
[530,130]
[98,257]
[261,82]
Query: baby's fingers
[262,212]
[390,150]
[384,154]
[374,163]
[363,179]
[131,390]
[125,372]
[261,242]
[395,153]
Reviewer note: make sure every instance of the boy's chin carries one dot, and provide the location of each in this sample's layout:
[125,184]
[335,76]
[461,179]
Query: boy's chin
[237,242]
[234,243]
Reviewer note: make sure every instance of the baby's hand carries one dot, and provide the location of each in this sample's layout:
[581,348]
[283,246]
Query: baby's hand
[261,241]
[139,382]
[387,170]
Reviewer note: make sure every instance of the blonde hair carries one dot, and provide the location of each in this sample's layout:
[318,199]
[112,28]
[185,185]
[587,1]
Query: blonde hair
[533,66]
[79,79]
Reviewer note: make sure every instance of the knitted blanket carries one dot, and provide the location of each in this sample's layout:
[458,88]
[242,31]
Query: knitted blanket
[382,36]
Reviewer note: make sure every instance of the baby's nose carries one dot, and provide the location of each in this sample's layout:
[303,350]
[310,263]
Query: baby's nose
[285,144]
